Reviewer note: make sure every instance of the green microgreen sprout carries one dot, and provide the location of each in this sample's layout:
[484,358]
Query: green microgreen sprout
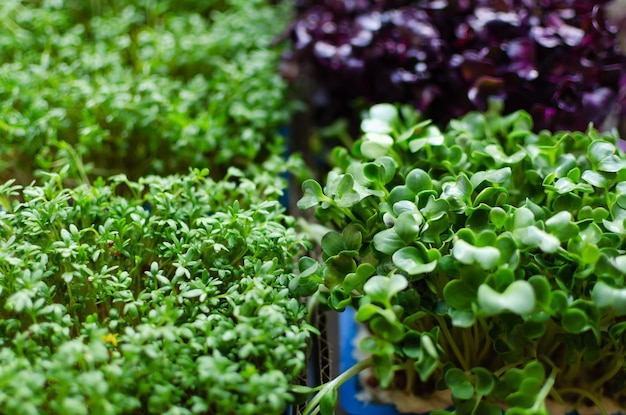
[173,299]
[139,87]
[483,259]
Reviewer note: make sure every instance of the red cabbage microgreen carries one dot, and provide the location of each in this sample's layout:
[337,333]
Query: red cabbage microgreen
[558,60]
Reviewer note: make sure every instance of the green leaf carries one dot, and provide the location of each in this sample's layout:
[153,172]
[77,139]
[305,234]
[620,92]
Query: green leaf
[458,193]
[595,178]
[485,380]
[502,278]
[431,135]
[590,254]
[533,236]
[600,150]
[388,168]
[352,238]
[400,193]
[534,329]
[336,268]
[192,293]
[564,185]
[486,408]
[383,369]
[410,260]
[462,318]
[418,180]
[492,196]
[376,145]
[384,112]
[355,280]
[498,216]
[376,345]
[518,298]
[487,257]
[611,164]
[375,125]
[390,330]
[366,312]
[459,295]
[559,301]
[381,289]
[605,296]
[459,383]
[313,194]
[411,344]
[373,172]
[388,241]
[574,320]
[523,217]
[407,226]
[562,226]
[346,194]
[435,208]
[543,292]
[405,206]
[332,243]
[429,345]
[499,176]
[329,402]
[339,299]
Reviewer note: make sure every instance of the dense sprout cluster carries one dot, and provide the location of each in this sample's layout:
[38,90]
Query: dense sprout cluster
[557,59]
[138,87]
[484,259]
[173,301]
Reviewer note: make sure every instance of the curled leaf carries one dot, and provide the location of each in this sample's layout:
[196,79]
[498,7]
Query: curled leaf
[518,298]
[487,257]
[604,295]
[410,260]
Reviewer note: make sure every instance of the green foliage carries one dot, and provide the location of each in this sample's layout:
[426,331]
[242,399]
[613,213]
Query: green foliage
[138,87]
[174,300]
[492,257]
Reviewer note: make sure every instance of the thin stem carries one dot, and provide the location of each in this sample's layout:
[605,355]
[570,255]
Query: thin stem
[349,214]
[78,162]
[557,397]
[410,377]
[616,367]
[587,395]
[487,341]
[479,399]
[311,306]
[477,337]
[573,370]
[452,343]
[467,346]
[545,390]
[503,369]
[312,407]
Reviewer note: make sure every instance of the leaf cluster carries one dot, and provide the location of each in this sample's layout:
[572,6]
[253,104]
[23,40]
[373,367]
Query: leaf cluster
[173,300]
[484,258]
[138,87]
[559,60]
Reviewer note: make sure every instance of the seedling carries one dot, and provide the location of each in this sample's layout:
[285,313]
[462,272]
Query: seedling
[174,300]
[484,259]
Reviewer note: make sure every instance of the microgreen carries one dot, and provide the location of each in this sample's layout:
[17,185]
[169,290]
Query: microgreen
[559,60]
[172,300]
[138,87]
[484,258]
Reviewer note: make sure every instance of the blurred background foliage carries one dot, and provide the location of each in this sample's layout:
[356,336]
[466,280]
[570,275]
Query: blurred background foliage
[140,87]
